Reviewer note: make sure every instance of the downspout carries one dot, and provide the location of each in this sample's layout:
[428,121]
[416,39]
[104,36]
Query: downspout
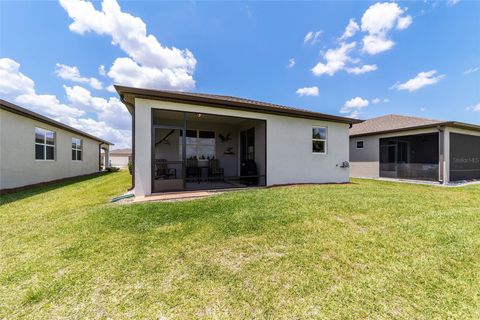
[133,139]
[100,156]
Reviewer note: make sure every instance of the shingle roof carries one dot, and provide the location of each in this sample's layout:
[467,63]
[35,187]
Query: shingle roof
[126,151]
[5,105]
[216,100]
[391,122]
[397,123]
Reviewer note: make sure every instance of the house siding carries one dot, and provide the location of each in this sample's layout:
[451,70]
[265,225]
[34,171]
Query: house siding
[289,145]
[18,166]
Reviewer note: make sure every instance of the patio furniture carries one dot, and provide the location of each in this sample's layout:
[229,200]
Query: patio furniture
[248,173]
[162,171]
[215,172]
[192,170]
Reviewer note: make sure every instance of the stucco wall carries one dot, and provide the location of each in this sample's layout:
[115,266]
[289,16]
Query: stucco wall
[18,166]
[119,161]
[289,146]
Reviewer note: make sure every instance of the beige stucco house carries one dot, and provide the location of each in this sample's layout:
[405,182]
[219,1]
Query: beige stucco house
[395,146]
[120,158]
[35,149]
[191,141]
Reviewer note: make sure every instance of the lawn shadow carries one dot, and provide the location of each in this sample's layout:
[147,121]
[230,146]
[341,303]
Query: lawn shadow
[45,187]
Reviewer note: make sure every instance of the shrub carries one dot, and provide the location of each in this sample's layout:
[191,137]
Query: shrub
[112,169]
[130,167]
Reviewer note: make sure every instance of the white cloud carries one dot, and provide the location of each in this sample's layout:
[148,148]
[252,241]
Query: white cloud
[471,70]
[16,86]
[291,63]
[404,22]
[421,80]
[475,107]
[312,37]
[110,110]
[48,105]
[113,123]
[12,81]
[362,69]
[73,74]
[350,29]
[127,72]
[153,65]
[423,109]
[121,138]
[336,60]
[378,20]
[353,106]
[354,114]
[452,2]
[373,44]
[378,100]
[308,91]
[356,102]
[101,70]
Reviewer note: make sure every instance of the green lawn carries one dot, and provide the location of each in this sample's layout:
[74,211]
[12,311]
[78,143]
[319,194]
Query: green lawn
[369,249]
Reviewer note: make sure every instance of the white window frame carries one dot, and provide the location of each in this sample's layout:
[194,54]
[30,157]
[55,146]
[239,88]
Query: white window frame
[197,145]
[77,149]
[325,140]
[44,144]
[363,144]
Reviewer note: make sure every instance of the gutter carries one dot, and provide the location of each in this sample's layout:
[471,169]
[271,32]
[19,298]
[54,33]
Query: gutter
[133,138]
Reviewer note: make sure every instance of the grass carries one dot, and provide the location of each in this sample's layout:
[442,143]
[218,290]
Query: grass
[370,249]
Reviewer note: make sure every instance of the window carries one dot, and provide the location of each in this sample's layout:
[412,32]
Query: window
[200,144]
[319,140]
[44,144]
[77,149]
[360,144]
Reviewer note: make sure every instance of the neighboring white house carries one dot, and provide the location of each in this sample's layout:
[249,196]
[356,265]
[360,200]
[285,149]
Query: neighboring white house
[190,141]
[404,147]
[120,158]
[35,149]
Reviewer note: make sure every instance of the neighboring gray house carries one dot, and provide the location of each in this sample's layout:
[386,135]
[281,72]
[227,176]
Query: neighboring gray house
[191,141]
[395,146]
[35,149]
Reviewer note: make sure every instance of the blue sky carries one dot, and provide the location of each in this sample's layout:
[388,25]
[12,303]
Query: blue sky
[415,58]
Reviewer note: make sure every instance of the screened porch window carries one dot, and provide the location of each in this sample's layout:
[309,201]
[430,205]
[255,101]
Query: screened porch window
[199,144]
[319,140]
[44,144]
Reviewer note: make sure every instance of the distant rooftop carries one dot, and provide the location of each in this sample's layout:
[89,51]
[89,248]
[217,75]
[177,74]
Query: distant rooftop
[125,151]
[394,122]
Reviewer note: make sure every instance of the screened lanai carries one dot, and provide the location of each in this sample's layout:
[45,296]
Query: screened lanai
[195,151]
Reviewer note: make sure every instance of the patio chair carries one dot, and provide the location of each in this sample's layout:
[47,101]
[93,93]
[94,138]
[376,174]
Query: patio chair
[192,170]
[215,172]
[162,171]
[248,173]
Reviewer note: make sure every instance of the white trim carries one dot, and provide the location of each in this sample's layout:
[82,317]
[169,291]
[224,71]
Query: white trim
[76,149]
[356,144]
[324,140]
[44,144]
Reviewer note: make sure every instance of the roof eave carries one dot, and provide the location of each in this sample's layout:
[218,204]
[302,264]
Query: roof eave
[213,102]
[455,124]
[8,106]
